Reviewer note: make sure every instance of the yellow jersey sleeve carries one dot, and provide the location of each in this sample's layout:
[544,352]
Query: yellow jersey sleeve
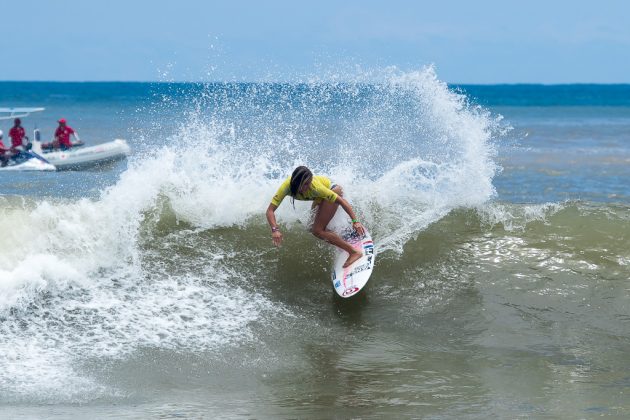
[320,188]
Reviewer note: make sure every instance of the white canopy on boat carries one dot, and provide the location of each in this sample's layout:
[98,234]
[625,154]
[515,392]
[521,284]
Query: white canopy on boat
[17,112]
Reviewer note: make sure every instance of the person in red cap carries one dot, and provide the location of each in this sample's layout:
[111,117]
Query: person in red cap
[62,135]
[17,135]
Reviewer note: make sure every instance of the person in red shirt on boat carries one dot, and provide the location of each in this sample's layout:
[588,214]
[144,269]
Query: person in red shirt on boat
[62,136]
[17,135]
[5,154]
[3,148]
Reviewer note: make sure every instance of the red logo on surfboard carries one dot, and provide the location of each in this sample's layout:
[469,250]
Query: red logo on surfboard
[350,291]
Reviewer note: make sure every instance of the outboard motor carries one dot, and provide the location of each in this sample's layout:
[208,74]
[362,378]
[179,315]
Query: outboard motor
[37,141]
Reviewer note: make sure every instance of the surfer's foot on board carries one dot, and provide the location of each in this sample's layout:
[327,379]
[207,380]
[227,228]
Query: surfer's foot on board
[352,258]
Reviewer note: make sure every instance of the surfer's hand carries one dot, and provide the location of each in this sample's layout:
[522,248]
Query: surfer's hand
[276,237]
[359,228]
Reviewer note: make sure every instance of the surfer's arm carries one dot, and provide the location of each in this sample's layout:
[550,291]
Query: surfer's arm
[276,235]
[348,209]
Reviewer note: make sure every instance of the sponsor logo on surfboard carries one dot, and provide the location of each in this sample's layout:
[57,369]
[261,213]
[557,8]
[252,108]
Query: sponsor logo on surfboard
[350,291]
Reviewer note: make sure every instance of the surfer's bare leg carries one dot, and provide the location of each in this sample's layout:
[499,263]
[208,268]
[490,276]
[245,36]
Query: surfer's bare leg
[325,212]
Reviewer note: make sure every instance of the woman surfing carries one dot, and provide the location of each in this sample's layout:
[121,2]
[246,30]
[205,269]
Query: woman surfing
[326,197]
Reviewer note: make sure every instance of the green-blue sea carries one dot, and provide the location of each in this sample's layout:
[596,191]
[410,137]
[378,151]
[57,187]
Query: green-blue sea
[150,288]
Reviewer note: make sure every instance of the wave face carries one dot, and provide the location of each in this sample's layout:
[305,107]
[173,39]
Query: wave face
[176,254]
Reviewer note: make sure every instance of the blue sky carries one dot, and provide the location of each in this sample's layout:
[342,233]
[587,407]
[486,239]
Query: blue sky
[483,41]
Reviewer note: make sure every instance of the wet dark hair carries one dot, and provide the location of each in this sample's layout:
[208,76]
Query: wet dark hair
[300,176]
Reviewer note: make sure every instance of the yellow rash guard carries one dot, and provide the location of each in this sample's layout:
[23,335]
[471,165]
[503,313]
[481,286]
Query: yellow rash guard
[320,190]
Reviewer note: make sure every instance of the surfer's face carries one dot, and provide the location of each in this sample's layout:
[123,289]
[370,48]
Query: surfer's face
[305,186]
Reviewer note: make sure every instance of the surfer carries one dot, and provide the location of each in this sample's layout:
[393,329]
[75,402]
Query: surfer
[326,197]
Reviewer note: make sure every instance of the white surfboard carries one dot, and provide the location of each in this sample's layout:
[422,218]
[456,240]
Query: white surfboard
[350,280]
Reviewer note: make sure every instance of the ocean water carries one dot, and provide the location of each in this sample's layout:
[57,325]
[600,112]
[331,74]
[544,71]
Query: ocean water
[150,288]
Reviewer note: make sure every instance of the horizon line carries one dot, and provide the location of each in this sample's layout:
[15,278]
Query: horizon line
[306,83]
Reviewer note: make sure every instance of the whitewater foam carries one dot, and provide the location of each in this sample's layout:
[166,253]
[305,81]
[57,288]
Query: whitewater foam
[513,218]
[98,278]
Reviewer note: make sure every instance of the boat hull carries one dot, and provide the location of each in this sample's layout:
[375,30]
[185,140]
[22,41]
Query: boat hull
[90,156]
